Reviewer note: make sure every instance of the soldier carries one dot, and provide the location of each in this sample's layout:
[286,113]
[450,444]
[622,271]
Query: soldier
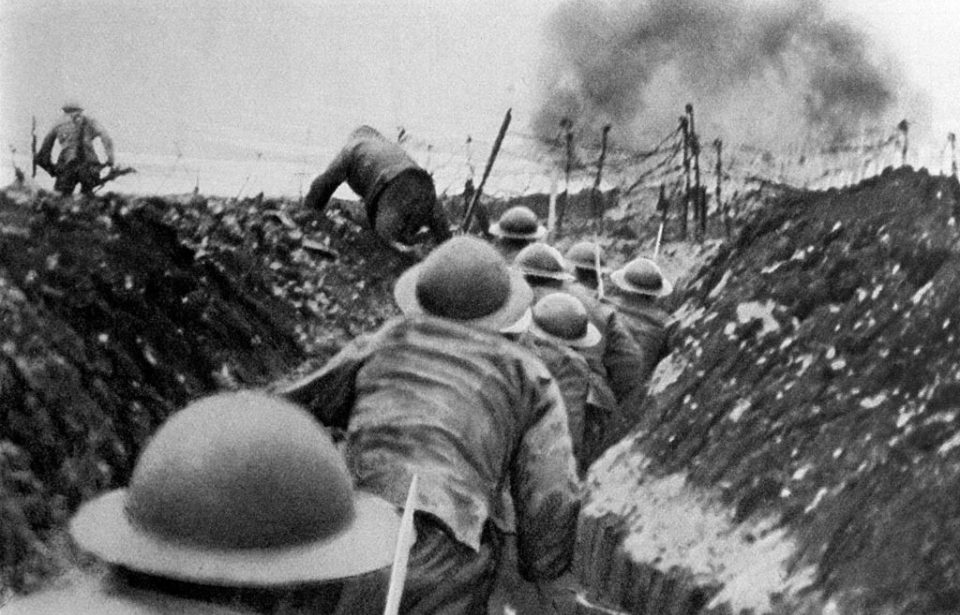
[517,228]
[240,501]
[544,268]
[559,330]
[616,361]
[78,162]
[399,195]
[637,286]
[440,393]
[583,256]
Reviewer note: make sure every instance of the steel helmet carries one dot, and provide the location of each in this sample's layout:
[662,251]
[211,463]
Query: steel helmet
[518,222]
[542,261]
[562,318]
[240,489]
[642,276]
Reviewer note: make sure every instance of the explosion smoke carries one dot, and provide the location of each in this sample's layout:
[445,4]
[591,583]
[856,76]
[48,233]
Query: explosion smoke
[760,72]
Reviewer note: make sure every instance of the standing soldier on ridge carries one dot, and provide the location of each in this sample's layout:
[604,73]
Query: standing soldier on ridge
[78,162]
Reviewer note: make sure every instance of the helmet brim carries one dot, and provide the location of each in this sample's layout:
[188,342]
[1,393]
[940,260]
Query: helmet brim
[518,300]
[589,339]
[536,235]
[619,279]
[103,528]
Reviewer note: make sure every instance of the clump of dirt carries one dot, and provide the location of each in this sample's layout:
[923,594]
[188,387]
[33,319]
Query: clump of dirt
[814,382]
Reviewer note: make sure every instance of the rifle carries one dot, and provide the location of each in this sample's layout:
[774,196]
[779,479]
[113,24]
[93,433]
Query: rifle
[111,175]
[486,173]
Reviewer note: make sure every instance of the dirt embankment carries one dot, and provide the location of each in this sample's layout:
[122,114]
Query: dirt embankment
[117,310]
[803,438]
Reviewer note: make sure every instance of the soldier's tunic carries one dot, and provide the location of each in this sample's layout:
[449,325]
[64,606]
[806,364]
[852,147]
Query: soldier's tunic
[467,411]
[398,194]
[647,322]
[617,351]
[623,361]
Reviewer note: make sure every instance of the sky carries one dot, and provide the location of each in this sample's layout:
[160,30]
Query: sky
[288,79]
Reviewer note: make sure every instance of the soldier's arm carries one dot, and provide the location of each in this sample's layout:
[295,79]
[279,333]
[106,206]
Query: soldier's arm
[325,184]
[329,392]
[545,490]
[105,139]
[625,361]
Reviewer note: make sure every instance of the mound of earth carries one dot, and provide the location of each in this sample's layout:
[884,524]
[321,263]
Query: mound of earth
[116,311]
[800,448]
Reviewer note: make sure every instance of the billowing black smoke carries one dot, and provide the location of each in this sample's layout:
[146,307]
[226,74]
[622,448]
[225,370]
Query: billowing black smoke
[755,70]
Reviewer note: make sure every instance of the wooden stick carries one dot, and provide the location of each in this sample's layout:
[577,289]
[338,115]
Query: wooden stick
[596,263]
[567,125]
[486,173]
[552,210]
[656,248]
[405,539]
[685,210]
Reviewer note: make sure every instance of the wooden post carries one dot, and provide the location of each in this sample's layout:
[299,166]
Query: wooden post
[699,202]
[952,139]
[904,127]
[684,210]
[486,173]
[723,207]
[552,209]
[33,145]
[603,155]
[663,206]
[596,197]
[567,126]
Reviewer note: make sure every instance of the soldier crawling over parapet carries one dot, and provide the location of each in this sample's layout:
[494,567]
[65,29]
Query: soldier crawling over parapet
[78,161]
[399,195]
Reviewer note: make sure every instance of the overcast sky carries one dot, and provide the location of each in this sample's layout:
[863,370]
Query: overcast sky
[204,76]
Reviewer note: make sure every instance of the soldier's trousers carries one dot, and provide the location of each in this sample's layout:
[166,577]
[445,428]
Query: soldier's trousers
[73,173]
[445,576]
[408,203]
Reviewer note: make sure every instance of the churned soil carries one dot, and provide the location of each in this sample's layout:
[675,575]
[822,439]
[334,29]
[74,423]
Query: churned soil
[116,311]
[800,448]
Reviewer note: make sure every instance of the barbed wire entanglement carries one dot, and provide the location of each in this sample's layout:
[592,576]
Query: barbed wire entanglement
[683,176]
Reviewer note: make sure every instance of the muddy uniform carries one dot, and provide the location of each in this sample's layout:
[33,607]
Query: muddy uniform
[647,322]
[78,162]
[619,354]
[467,411]
[622,360]
[584,391]
[399,196]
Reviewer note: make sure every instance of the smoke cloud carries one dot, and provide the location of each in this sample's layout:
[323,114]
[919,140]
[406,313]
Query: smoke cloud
[757,71]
